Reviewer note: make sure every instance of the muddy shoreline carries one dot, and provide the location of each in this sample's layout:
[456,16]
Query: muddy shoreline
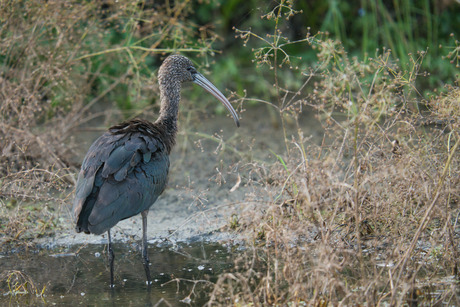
[207,182]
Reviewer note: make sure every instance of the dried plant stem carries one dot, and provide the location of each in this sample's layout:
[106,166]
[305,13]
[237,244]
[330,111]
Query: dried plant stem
[401,266]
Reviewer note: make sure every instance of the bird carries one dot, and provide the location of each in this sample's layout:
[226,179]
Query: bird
[126,168]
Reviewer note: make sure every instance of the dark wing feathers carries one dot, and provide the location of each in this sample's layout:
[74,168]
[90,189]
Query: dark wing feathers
[95,157]
[121,176]
[147,156]
[118,163]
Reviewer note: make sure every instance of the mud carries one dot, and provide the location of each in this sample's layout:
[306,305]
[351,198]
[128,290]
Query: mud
[208,181]
[211,179]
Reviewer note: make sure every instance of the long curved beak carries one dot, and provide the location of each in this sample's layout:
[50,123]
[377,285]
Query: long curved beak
[208,86]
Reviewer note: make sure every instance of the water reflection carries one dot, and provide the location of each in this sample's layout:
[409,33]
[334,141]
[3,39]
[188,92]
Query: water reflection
[75,275]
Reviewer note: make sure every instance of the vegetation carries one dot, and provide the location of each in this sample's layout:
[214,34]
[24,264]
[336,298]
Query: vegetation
[370,215]
[59,61]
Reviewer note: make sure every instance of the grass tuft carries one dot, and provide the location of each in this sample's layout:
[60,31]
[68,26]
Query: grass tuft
[369,215]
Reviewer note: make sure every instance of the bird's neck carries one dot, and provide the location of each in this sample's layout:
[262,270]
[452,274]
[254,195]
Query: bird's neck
[170,98]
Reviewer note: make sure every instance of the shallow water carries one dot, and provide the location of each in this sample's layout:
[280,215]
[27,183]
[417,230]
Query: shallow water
[80,276]
[204,190]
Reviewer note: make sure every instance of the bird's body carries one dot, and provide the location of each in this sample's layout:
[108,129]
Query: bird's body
[123,174]
[126,169]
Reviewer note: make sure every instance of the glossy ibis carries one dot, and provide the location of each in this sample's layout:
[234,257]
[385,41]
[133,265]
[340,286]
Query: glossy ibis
[126,169]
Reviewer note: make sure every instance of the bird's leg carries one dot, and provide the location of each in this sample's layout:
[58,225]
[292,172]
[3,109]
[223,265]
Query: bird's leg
[111,258]
[145,254]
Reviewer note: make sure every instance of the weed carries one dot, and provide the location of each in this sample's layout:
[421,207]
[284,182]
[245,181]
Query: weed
[362,217]
[57,61]
[367,216]
[19,283]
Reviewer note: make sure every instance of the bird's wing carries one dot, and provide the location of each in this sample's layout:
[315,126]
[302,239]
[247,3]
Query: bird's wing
[118,200]
[97,154]
[120,175]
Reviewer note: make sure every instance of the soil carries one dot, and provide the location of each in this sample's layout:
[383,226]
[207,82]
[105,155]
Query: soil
[208,182]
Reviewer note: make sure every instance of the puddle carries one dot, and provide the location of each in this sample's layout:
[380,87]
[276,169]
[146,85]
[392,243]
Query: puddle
[203,192]
[80,276]
[207,184]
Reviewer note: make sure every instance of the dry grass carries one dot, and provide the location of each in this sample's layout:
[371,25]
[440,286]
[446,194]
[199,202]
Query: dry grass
[58,60]
[370,216]
[19,283]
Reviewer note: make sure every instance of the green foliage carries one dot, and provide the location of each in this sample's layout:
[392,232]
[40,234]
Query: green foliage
[365,28]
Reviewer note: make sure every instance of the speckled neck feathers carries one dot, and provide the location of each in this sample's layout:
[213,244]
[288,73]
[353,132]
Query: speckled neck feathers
[169,109]
[171,74]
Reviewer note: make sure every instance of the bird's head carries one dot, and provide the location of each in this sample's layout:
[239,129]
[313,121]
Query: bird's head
[177,68]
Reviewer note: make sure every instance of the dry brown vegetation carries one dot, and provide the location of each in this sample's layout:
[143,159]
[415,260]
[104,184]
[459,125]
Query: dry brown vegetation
[59,59]
[370,216]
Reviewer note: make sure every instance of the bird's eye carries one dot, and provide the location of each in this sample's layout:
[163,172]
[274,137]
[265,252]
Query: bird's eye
[191,69]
